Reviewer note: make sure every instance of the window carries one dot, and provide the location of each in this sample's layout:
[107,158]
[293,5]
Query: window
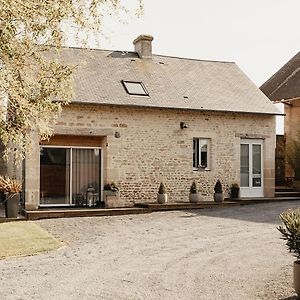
[201,154]
[135,88]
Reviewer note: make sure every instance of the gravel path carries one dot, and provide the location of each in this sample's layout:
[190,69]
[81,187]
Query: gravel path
[230,253]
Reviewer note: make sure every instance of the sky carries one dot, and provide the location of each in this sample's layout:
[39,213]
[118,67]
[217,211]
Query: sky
[259,35]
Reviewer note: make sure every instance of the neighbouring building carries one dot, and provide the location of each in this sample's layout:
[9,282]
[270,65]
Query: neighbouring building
[284,87]
[138,119]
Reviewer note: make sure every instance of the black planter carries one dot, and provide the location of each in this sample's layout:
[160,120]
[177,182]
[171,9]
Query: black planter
[234,193]
[2,197]
[12,205]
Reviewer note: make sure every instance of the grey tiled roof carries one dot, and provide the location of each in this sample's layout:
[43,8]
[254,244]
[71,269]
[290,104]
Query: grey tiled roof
[285,83]
[171,82]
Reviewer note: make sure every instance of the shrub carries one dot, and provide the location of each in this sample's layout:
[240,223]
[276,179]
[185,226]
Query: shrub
[218,187]
[10,185]
[291,231]
[193,189]
[293,155]
[162,189]
[111,187]
[235,185]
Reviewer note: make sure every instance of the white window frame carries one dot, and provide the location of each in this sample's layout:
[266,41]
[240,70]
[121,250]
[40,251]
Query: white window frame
[208,142]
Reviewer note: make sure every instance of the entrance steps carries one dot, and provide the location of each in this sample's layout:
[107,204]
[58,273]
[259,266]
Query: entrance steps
[283,192]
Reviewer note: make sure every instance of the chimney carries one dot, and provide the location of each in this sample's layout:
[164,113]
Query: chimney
[143,45]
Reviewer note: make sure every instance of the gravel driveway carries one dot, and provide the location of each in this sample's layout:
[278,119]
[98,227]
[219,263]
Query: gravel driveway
[230,253]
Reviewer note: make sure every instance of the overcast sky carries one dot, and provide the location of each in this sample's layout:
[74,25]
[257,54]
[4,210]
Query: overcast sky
[259,35]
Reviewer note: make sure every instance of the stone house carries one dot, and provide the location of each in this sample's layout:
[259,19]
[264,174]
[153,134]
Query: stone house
[138,119]
[284,87]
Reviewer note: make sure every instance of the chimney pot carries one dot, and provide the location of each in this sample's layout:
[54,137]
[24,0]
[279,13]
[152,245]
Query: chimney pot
[143,45]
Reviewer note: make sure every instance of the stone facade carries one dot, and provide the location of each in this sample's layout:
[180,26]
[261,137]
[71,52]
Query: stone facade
[291,126]
[145,146]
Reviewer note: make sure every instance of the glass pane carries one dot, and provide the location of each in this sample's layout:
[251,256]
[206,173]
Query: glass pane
[195,153]
[55,176]
[256,165]
[85,176]
[244,165]
[203,150]
[135,88]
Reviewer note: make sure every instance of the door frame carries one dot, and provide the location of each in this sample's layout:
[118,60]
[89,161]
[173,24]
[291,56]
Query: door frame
[252,191]
[101,186]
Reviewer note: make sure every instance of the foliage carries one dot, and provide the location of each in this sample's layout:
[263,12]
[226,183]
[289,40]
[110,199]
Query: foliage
[218,187]
[31,76]
[293,155]
[291,231]
[10,185]
[235,185]
[162,189]
[111,187]
[193,189]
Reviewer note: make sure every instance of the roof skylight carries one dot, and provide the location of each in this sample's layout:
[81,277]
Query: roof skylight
[135,88]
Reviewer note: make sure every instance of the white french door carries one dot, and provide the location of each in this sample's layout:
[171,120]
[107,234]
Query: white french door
[251,168]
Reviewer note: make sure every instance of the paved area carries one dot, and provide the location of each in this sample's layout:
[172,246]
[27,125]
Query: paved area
[230,253]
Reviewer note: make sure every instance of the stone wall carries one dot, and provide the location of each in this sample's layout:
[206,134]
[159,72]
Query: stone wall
[148,146]
[291,128]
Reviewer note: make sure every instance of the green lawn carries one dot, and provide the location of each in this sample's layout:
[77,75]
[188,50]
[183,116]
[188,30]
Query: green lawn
[24,238]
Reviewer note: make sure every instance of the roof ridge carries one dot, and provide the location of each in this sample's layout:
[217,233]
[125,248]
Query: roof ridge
[155,55]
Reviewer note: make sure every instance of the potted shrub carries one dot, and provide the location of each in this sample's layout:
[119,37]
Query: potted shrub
[218,195]
[291,234]
[11,189]
[234,190]
[162,196]
[112,196]
[194,196]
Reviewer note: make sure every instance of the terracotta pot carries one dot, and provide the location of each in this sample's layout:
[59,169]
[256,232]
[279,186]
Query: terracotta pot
[162,198]
[296,275]
[194,198]
[218,197]
[12,205]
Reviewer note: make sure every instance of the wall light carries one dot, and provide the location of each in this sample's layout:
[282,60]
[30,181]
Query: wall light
[183,125]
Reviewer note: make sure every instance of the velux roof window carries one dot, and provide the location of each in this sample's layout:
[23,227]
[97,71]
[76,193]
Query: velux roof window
[135,88]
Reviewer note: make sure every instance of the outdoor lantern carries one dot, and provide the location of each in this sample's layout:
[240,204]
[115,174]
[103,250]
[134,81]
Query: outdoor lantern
[90,196]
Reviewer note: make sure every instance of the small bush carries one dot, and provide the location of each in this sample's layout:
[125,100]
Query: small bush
[218,187]
[235,185]
[162,189]
[111,187]
[193,189]
[291,231]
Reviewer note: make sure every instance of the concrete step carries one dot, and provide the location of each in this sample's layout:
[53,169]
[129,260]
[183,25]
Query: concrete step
[283,189]
[287,194]
[71,213]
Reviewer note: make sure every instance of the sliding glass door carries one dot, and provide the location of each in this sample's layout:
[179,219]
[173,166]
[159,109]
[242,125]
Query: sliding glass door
[70,176]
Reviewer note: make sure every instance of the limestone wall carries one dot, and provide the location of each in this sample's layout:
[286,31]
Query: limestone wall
[148,146]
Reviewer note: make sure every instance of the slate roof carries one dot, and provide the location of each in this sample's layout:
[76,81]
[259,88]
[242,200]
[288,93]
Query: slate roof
[172,82]
[285,83]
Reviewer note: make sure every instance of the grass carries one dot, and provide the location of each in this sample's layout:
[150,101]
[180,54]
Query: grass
[24,238]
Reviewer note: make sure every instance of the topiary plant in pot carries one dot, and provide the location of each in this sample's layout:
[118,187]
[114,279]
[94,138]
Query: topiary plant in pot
[234,190]
[11,188]
[162,196]
[291,234]
[218,195]
[194,196]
